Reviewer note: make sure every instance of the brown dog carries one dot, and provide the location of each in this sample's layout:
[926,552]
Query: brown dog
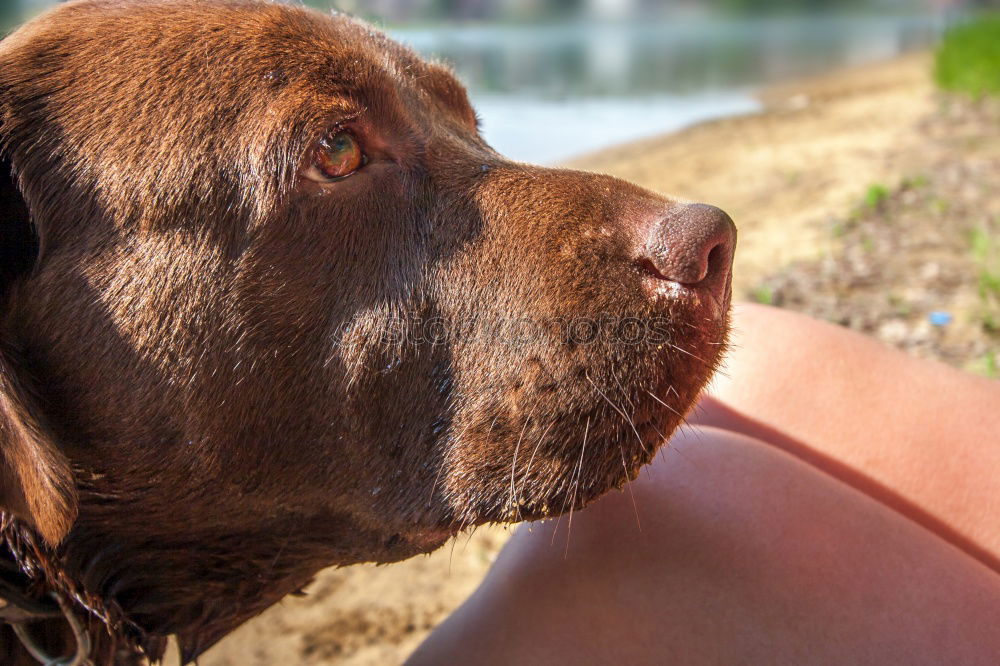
[269,303]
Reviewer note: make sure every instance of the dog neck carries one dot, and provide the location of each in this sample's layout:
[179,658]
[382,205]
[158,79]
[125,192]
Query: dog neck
[36,574]
[135,595]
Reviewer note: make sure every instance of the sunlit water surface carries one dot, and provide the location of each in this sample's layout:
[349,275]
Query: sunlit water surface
[547,93]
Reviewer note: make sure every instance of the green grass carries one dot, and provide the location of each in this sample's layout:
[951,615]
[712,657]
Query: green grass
[764,294]
[988,365]
[876,195]
[986,250]
[900,306]
[991,365]
[968,59]
[914,182]
[939,206]
[985,242]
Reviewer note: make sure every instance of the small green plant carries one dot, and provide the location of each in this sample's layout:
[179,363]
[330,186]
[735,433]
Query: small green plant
[876,196]
[986,251]
[988,365]
[899,305]
[914,182]
[764,294]
[968,59]
[939,205]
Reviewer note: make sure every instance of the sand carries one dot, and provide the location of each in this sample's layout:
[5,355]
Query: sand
[781,174]
[811,154]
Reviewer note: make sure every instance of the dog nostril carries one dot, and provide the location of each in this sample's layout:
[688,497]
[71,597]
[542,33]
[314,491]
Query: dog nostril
[719,259]
[689,244]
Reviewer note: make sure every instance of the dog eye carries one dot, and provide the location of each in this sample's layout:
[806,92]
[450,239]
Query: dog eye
[336,156]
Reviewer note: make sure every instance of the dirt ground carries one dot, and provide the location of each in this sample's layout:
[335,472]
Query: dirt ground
[863,197]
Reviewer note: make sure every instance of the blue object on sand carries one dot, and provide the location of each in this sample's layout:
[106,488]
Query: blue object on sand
[939,318]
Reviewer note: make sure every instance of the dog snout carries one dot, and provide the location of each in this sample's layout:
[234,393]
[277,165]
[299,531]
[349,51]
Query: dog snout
[690,244]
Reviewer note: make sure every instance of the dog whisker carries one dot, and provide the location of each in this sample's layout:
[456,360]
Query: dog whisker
[685,351]
[623,414]
[566,482]
[576,485]
[653,395]
[513,467]
[628,484]
[527,471]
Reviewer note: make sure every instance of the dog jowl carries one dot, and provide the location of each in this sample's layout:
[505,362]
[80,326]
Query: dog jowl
[270,303]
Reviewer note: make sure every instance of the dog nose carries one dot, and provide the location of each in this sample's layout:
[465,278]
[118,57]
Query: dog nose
[691,244]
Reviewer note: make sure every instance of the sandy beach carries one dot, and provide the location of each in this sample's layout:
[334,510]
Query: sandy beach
[811,154]
[782,174]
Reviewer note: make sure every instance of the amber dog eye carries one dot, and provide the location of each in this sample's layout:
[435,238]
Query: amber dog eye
[336,156]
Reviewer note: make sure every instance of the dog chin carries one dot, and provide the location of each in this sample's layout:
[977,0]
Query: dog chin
[428,540]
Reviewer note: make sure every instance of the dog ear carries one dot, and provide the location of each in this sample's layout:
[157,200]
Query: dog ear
[36,481]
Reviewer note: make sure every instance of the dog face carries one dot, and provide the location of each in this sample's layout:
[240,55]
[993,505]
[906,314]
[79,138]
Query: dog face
[277,285]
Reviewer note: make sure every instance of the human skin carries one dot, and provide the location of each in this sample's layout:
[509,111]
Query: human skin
[862,531]
[918,436]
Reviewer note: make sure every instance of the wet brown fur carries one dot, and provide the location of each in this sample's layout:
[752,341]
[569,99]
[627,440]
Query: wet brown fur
[200,406]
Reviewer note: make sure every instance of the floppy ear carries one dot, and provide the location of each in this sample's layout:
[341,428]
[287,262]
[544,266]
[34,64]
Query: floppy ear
[36,482]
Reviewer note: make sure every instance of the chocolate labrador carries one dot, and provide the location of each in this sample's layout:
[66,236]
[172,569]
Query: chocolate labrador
[270,303]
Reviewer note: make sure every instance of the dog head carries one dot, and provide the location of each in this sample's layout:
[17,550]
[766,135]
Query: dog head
[270,303]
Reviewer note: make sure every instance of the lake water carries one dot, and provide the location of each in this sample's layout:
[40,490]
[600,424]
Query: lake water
[547,93]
